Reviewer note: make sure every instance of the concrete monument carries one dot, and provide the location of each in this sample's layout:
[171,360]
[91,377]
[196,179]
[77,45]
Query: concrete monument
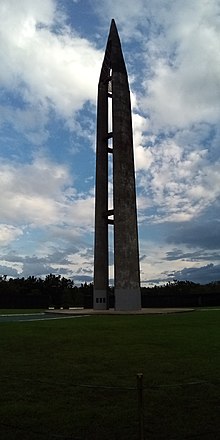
[114,137]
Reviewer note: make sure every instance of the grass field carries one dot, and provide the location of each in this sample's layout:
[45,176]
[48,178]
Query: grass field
[47,368]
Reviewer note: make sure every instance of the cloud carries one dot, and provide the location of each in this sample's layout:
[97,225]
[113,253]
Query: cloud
[48,82]
[9,233]
[183,87]
[176,107]
[83,211]
[43,214]
[9,271]
[127,16]
[180,57]
[30,122]
[153,263]
[73,262]
[175,112]
[32,193]
[37,270]
[203,275]
[83,279]
[142,155]
[199,254]
[161,262]
[204,235]
[45,65]
[177,173]
[41,194]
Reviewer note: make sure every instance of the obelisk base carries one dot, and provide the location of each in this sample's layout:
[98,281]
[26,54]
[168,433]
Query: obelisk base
[128,299]
[100,300]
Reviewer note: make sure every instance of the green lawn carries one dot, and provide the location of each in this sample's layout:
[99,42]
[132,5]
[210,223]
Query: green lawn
[43,365]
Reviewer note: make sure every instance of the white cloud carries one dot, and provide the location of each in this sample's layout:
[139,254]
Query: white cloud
[179,182]
[155,265]
[41,212]
[41,194]
[83,212]
[179,44]
[142,155]
[127,14]
[29,192]
[47,66]
[163,263]
[184,61]
[43,68]
[9,233]
[177,176]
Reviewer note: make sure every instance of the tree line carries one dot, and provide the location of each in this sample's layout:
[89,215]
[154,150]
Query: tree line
[32,292]
[56,291]
[177,287]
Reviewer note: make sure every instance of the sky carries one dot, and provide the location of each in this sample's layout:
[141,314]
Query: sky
[51,53]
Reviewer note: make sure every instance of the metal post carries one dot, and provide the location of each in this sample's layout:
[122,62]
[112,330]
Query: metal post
[140,405]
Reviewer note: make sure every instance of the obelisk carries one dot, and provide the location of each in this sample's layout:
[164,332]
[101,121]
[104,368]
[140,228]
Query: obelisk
[114,136]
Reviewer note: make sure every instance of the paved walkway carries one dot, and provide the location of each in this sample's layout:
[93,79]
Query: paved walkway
[25,317]
[148,311]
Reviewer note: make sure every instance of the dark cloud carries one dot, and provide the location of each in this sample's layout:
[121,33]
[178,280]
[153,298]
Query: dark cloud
[9,271]
[203,275]
[13,258]
[82,279]
[111,257]
[82,271]
[42,266]
[151,282]
[199,255]
[57,257]
[142,257]
[38,270]
[72,249]
[204,235]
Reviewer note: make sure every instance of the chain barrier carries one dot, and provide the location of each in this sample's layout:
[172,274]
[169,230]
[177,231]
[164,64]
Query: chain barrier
[141,393]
